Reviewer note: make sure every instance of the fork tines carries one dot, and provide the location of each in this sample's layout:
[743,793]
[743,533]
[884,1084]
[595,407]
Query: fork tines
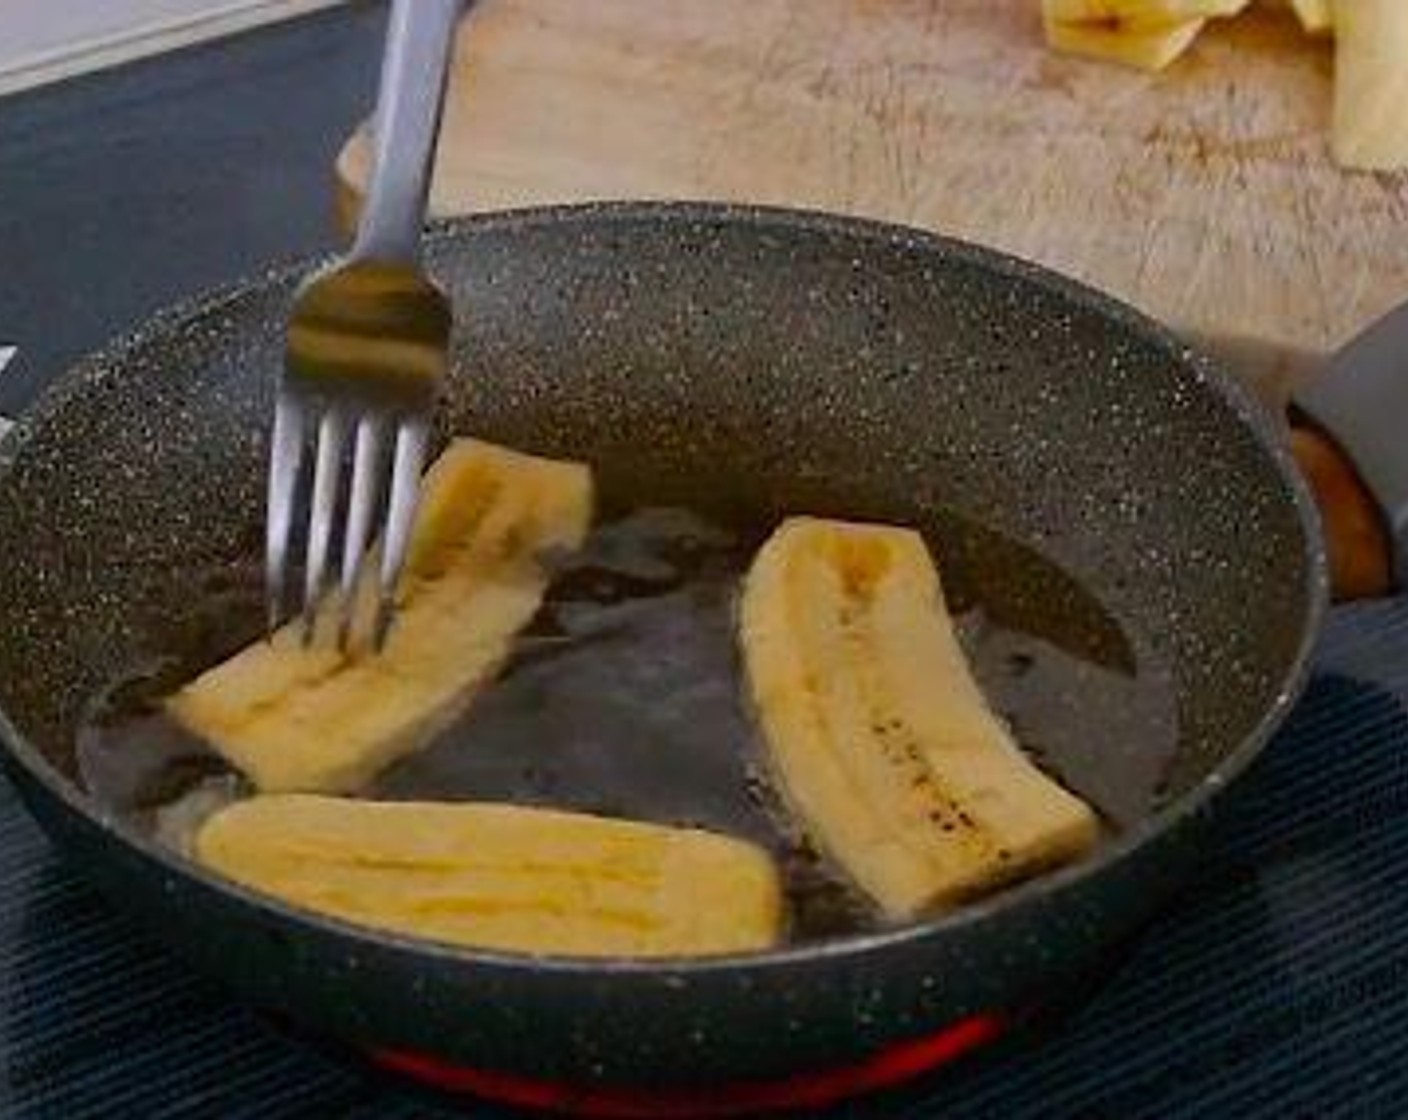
[362,505]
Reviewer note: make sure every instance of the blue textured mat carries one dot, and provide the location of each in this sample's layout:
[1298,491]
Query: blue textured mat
[1278,986]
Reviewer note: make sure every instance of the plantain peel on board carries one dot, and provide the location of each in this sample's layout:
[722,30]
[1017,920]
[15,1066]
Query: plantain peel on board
[881,739]
[1371,84]
[502,876]
[317,719]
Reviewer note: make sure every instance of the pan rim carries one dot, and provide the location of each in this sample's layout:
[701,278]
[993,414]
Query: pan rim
[1203,369]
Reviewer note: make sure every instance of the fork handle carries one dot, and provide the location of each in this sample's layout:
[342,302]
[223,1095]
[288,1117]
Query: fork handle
[419,42]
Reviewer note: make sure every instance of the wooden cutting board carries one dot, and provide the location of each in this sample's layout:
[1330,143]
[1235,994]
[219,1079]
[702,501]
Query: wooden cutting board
[1204,195]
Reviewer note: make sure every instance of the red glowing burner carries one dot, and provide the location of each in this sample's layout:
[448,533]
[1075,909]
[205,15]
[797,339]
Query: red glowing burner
[884,1070]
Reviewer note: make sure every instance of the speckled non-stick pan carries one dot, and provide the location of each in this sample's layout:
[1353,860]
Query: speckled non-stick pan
[747,360]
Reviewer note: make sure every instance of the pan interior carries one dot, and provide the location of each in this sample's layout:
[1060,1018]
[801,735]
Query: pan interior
[1130,566]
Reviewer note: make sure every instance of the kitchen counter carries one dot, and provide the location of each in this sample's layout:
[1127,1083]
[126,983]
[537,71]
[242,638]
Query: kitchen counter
[133,188]
[1278,986]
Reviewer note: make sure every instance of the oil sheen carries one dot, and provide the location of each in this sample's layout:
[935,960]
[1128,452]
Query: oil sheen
[626,697]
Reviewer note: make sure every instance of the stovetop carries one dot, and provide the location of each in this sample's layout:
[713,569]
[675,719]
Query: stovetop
[1277,986]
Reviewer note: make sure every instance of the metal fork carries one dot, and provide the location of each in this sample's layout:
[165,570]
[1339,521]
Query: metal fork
[366,351]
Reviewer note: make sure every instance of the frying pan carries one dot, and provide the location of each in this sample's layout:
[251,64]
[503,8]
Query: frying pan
[742,361]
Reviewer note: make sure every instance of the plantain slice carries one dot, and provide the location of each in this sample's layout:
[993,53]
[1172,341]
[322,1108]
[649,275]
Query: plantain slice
[1145,48]
[502,876]
[1315,15]
[318,719]
[1371,84]
[1137,15]
[881,739]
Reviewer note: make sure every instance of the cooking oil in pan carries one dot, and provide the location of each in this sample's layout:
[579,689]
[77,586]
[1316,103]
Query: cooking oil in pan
[625,697]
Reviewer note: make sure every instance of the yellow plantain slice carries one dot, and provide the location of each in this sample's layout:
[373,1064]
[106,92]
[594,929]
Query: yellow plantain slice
[502,876]
[880,737]
[1371,84]
[1151,48]
[1137,15]
[316,719]
[1315,15]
